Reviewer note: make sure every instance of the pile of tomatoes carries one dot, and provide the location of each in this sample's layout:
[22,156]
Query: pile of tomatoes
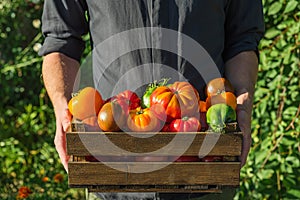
[164,107]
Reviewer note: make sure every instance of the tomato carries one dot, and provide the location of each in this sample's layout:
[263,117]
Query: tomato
[178,99]
[217,86]
[219,115]
[143,120]
[152,158]
[225,97]
[86,103]
[185,124]
[212,159]
[127,99]
[110,158]
[188,159]
[202,106]
[203,122]
[91,124]
[111,117]
[166,128]
[149,90]
[133,101]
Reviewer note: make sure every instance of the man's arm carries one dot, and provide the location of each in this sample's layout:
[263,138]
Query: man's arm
[59,73]
[241,70]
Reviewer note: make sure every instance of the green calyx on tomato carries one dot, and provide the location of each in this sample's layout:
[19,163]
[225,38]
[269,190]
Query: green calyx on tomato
[218,115]
[149,90]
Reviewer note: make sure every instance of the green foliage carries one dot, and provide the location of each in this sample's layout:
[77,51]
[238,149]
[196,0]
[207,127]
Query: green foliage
[27,123]
[273,167]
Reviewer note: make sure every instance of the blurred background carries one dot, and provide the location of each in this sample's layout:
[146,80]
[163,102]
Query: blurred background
[30,165]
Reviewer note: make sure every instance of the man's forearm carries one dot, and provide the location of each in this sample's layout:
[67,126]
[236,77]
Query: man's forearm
[59,73]
[241,71]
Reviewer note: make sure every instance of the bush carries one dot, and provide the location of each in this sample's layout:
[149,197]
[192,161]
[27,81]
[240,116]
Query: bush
[27,123]
[273,167]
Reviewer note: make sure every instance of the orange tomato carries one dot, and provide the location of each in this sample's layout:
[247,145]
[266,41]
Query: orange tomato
[202,106]
[143,120]
[226,97]
[86,103]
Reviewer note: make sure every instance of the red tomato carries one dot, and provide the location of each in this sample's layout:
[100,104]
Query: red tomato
[166,128]
[212,159]
[188,159]
[186,124]
[143,120]
[133,101]
[86,103]
[127,99]
[178,99]
[203,122]
[152,158]
[110,158]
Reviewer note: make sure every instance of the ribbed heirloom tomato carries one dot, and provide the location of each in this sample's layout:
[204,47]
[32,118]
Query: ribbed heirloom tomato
[131,98]
[178,99]
[86,103]
[143,120]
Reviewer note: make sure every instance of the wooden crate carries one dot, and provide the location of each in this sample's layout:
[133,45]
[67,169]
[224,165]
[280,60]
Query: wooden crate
[175,177]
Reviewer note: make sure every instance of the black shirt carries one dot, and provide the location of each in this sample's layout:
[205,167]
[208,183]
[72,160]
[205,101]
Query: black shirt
[223,28]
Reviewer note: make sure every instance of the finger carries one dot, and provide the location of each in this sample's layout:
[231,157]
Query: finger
[66,122]
[245,149]
[244,121]
[60,145]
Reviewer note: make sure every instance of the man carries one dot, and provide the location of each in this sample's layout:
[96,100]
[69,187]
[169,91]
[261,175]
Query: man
[229,30]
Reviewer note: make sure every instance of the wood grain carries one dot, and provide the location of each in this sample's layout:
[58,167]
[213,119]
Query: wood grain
[224,173]
[90,143]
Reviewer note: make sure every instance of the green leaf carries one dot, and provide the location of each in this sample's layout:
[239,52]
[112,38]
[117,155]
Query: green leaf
[271,33]
[291,5]
[294,192]
[274,8]
[265,174]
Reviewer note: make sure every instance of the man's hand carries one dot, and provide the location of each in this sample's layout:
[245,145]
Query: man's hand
[63,123]
[241,71]
[244,121]
[59,73]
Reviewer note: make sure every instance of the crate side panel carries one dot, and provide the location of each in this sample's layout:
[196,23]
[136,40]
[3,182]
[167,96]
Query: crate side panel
[82,144]
[223,173]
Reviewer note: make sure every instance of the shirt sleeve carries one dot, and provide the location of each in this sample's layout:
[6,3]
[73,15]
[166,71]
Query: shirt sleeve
[244,27]
[63,25]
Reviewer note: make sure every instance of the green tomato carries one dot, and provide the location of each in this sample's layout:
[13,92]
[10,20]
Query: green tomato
[218,115]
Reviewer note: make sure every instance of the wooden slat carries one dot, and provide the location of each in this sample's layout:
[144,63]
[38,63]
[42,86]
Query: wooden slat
[157,188]
[189,173]
[90,143]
